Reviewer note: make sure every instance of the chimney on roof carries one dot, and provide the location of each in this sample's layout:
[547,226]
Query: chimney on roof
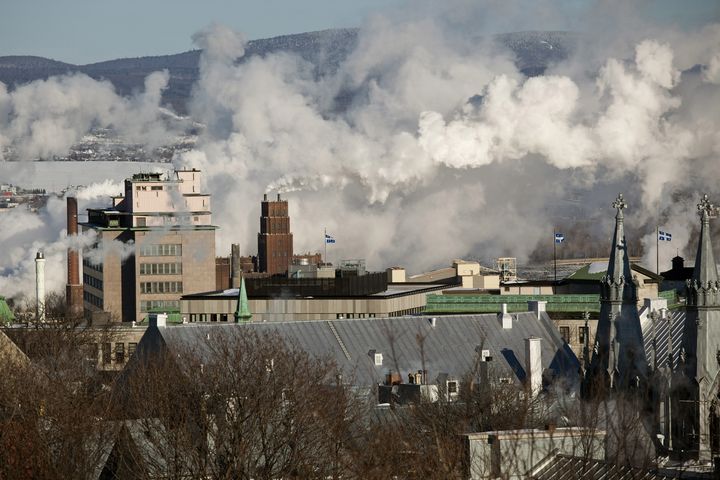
[278,197]
[533,365]
[264,197]
[505,317]
[537,307]
[158,320]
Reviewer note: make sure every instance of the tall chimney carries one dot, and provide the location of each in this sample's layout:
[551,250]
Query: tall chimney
[74,289]
[40,286]
[533,365]
[235,269]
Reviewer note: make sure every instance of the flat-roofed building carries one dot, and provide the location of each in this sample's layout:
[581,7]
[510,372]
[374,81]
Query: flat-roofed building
[157,243]
[393,301]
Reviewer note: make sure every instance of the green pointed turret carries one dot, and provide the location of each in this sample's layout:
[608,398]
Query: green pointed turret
[242,312]
[6,315]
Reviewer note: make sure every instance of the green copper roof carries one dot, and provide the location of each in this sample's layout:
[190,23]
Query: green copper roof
[486,303]
[6,315]
[242,312]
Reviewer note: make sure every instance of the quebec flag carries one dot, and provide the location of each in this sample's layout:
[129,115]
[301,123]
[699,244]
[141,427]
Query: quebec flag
[329,239]
[664,236]
[559,238]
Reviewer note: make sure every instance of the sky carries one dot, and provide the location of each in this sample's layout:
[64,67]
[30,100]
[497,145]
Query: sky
[86,31]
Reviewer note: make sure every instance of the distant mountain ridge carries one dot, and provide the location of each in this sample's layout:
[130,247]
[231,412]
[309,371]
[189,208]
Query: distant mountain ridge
[325,49]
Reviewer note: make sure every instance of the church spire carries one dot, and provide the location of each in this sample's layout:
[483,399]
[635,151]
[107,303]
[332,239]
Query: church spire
[705,273]
[617,285]
[242,312]
[618,360]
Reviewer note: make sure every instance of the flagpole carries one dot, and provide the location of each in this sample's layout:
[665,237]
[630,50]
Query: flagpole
[555,253]
[325,242]
[657,249]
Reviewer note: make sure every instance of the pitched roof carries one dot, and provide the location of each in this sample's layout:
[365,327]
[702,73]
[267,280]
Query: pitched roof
[597,270]
[407,344]
[564,467]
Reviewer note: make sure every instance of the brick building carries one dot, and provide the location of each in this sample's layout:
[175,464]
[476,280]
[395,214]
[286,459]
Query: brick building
[275,241]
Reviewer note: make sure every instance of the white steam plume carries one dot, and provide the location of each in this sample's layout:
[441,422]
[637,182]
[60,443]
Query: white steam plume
[46,117]
[445,150]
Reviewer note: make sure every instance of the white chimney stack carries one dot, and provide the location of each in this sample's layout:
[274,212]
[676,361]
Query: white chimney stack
[40,286]
[533,365]
[505,317]
[158,320]
[537,307]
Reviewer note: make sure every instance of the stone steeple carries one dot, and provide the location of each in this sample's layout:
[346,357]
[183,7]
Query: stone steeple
[618,360]
[242,312]
[703,288]
[701,342]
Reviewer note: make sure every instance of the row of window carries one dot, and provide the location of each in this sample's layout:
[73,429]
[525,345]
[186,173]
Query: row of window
[92,299]
[152,187]
[211,317]
[119,352]
[97,267]
[355,315]
[169,305]
[161,250]
[568,338]
[161,287]
[161,268]
[92,281]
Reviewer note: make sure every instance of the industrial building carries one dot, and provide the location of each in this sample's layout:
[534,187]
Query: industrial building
[157,242]
[275,241]
[273,300]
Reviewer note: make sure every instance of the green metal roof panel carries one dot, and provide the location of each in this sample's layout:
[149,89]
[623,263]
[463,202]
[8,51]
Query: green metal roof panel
[6,315]
[515,303]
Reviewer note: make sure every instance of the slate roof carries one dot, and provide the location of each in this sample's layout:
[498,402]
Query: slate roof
[450,347]
[662,331]
[597,270]
[564,467]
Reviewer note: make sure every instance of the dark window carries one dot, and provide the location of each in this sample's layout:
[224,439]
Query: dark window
[565,333]
[452,387]
[583,333]
[120,352]
[107,353]
[132,346]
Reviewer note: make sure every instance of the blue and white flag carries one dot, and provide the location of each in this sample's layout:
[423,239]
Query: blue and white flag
[559,238]
[664,236]
[329,239]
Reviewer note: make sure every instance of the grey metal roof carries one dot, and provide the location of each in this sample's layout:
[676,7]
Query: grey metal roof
[407,344]
[661,332]
[564,467]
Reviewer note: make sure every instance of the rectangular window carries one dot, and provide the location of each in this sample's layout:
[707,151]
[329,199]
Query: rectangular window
[565,334]
[120,352]
[107,353]
[132,346]
[583,333]
[166,305]
[156,187]
[161,250]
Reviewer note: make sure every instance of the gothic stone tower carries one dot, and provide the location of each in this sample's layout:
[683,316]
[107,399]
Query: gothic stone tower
[275,242]
[618,359]
[700,354]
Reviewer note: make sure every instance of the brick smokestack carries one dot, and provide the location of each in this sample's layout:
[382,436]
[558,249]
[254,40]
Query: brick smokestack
[74,289]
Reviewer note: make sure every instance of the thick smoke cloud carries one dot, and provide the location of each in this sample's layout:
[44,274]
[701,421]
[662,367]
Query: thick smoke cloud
[45,118]
[445,150]
[426,143]
[23,233]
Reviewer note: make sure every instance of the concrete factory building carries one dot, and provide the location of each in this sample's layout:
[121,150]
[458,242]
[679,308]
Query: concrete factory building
[282,299]
[157,243]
